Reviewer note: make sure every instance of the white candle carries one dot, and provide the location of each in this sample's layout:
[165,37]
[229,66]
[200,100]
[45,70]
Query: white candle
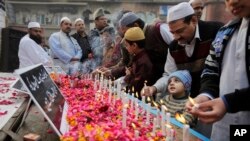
[148,113]
[124,117]
[136,111]
[136,133]
[162,117]
[168,118]
[171,137]
[185,132]
[154,126]
[110,96]
[132,102]
[158,118]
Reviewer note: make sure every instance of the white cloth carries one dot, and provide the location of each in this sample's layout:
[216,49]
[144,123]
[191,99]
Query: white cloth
[233,76]
[64,48]
[166,34]
[31,53]
[170,65]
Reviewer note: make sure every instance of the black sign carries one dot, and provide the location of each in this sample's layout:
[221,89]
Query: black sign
[239,132]
[45,94]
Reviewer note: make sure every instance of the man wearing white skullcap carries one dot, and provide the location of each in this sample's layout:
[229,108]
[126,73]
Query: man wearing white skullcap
[65,49]
[198,6]
[192,40]
[30,50]
[82,39]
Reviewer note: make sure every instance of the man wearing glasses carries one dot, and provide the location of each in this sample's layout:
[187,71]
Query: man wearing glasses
[96,42]
[30,50]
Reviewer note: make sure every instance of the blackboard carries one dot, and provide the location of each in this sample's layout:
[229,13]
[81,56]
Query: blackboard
[44,93]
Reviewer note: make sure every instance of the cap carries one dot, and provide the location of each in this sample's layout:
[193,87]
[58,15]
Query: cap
[33,25]
[78,19]
[179,11]
[128,18]
[134,34]
[98,13]
[184,77]
[65,19]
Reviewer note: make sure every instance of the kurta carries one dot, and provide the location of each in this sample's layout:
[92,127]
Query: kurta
[64,48]
[31,53]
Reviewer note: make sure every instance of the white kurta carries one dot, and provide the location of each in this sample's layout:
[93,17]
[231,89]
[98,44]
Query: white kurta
[31,53]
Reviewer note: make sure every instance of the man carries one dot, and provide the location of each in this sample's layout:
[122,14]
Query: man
[96,42]
[157,39]
[192,40]
[226,70]
[30,51]
[82,39]
[65,49]
[198,6]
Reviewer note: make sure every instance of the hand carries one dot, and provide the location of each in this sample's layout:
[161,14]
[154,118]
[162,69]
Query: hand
[148,90]
[211,111]
[128,70]
[199,99]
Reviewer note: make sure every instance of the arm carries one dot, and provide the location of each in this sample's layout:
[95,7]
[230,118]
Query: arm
[166,34]
[78,49]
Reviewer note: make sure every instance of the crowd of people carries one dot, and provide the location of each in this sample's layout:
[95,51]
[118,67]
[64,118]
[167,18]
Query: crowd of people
[179,58]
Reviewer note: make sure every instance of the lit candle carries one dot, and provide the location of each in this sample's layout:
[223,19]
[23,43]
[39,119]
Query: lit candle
[185,132]
[154,126]
[148,113]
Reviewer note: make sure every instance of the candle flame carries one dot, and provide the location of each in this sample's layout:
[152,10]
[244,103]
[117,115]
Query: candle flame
[148,99]
[180,118]
[125,106]
[155,104]
[136,95]
[133,125]
[133,89]
[145,83]
[191,100]
[161,101]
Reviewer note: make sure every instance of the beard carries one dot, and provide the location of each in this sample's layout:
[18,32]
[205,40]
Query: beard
[37,39]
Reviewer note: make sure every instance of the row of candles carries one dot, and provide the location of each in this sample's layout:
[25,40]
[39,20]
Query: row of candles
[160,121]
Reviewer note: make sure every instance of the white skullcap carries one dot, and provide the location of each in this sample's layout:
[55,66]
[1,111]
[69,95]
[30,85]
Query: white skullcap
[65,19]
[34,25]
[78,19]
[179,11]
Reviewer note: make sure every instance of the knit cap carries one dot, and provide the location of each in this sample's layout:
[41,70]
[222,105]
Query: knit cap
[128,18]
[184,77]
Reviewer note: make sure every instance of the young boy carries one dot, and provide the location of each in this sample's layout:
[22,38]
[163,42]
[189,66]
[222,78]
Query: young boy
[178,87]
[141,66]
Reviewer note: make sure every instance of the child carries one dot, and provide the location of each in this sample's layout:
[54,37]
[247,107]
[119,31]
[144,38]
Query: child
[178,87]
[141,66]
